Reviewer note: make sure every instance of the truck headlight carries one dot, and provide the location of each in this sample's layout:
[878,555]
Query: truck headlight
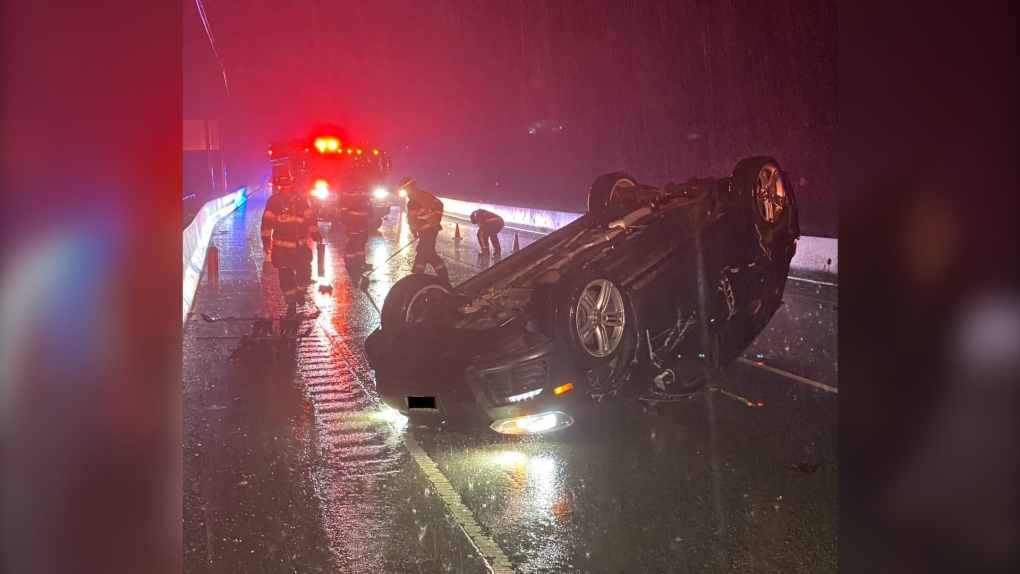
[380,193]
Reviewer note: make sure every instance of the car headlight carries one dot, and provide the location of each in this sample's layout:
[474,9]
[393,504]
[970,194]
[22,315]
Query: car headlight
[533,424]
[380,193]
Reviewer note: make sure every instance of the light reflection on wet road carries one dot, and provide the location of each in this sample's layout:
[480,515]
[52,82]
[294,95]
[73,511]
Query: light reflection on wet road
[292,470]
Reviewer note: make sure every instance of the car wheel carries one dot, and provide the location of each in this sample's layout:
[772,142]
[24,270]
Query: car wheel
[761,180]
[606,196]
[596,319]
[410,300]
[376,223]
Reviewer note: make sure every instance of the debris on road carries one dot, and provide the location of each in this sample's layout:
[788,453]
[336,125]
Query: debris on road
[736,397]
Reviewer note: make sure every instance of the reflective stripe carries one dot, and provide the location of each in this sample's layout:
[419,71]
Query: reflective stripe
[279,243]
[267,233]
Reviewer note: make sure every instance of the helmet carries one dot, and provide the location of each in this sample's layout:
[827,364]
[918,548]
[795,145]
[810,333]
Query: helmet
[407,183]
[283,180]
[474,217]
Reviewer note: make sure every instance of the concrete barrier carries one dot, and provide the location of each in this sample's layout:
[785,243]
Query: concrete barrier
[536,220]
[817,257]
[197,236]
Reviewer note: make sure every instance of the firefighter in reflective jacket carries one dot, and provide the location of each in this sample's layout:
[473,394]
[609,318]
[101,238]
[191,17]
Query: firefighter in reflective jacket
[489,225]
[424,219]
[287,223]
[355,209]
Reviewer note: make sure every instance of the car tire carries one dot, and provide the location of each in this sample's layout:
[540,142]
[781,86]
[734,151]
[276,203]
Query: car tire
[761,181]
[604,197]
[376,223]
[403,303]
[601,367]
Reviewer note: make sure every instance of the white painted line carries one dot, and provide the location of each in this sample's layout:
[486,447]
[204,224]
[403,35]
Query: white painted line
[495,560]
[792,376]
[814,281]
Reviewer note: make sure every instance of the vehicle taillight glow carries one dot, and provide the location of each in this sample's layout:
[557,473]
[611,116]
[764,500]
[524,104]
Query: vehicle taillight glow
[375,152]
[563,388]
[332,145]
[320,144]
[359,152]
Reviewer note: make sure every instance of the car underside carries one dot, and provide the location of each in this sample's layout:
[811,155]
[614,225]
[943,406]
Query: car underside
[650,289]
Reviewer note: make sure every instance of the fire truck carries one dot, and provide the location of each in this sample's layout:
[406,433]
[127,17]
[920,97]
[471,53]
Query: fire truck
[326,168]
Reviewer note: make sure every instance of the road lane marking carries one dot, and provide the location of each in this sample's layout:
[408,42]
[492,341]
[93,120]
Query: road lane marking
[829,283]
[791,376]
[495,560]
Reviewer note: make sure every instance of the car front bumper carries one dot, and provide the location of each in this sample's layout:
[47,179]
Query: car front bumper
[488,392]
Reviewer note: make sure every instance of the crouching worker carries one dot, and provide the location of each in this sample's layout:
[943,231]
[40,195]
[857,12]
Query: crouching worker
[489,225]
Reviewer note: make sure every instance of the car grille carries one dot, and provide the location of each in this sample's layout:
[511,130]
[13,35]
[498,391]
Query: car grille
[502,384]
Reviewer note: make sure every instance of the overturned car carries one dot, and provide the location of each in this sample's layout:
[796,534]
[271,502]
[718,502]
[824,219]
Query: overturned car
[651,290]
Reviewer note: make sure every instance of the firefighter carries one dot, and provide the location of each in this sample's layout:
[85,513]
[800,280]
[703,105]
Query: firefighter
[355,209]
[489,225]
[424,219]
[287,223]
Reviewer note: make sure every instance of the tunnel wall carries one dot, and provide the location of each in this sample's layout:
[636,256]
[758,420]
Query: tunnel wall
[816,258]
[197,236]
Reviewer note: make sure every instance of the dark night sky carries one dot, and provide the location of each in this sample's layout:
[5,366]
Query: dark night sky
[664,90]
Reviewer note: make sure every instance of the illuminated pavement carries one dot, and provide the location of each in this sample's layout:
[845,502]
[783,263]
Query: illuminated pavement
[291,469]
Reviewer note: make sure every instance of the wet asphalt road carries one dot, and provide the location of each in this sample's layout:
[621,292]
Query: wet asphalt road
[291,468]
